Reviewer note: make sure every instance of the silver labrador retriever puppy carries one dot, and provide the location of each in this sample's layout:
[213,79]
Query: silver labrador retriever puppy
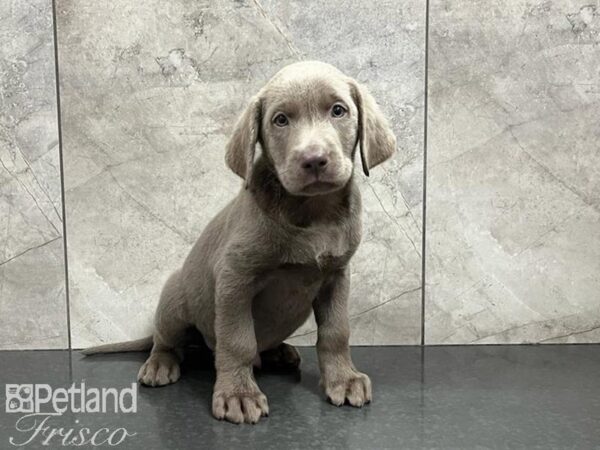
[281,248]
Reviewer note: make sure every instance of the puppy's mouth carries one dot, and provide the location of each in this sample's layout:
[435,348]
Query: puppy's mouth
[320,187]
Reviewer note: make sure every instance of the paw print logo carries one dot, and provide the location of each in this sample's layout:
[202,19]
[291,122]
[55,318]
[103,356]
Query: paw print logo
[19,398]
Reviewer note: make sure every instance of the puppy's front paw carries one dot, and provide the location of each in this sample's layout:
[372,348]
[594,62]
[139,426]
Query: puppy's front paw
[239,406]
[355,388]
[160,368]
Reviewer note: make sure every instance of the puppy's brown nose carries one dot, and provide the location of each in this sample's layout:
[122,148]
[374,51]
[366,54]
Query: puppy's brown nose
[314,162]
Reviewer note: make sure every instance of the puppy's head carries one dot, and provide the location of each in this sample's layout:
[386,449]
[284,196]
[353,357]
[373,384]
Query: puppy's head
[309,120]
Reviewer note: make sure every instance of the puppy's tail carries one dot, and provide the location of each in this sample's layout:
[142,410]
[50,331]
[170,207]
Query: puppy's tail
[139,345]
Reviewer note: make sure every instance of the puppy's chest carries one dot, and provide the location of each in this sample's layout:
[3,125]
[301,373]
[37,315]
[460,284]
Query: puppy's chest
[323,247]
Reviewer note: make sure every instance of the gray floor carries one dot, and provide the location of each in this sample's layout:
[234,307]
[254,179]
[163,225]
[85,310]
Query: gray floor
[438,397]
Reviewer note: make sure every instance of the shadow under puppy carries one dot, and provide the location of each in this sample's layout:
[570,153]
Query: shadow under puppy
[281,248]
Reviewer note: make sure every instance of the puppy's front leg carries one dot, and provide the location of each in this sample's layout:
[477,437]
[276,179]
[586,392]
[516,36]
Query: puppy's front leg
[339,377]
[236,395]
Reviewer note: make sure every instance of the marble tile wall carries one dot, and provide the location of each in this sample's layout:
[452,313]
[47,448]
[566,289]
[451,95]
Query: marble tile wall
[32,274]
[513,173]
[149,94]
[149,91]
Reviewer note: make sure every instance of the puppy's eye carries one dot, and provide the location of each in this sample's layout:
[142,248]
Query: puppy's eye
[280,120]
[338,111]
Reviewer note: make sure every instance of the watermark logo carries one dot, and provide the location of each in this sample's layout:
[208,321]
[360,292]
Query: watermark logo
[19,398]
[37,398]
[40,406]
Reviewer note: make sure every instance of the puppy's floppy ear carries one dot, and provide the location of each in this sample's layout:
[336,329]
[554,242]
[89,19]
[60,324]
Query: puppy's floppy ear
[376,138]
[242,144]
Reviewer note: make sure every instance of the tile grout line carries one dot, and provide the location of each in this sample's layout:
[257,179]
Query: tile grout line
[425,130]
[62,171]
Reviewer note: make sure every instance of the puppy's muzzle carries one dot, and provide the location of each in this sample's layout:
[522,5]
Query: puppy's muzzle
[314,162]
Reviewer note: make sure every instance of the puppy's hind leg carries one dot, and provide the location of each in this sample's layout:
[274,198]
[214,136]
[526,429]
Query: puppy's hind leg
[162,366]
[284,358]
